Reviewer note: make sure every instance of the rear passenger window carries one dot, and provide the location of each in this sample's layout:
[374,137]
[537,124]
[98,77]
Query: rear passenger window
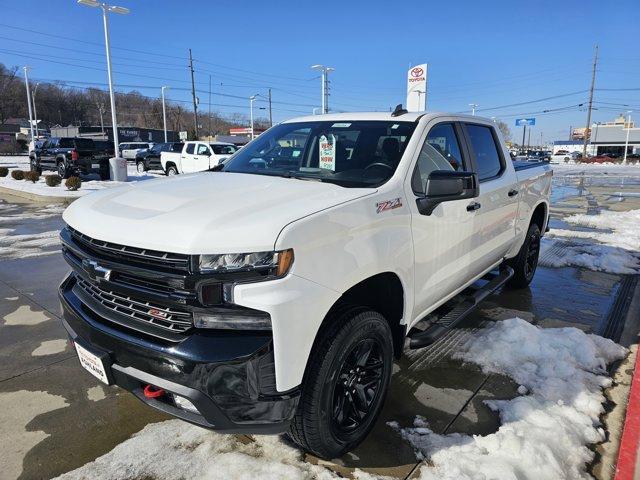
[190,148]
[440,151]
[483,143]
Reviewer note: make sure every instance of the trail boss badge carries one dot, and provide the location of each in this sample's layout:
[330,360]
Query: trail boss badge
[388,205]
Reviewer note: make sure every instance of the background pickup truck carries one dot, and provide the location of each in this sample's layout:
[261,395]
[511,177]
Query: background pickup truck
[150,159]
[71,156]
[196,157]
[273,295]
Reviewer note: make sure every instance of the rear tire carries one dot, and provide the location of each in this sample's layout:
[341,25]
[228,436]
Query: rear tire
[345,384]
[525,263]
[63,171]
[35,167]
[172,170]
[140,167]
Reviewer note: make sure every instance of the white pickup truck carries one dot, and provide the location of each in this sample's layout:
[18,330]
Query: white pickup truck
[196,156]
[272,296]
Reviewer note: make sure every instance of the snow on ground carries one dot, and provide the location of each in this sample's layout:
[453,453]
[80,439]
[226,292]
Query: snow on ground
[175,450]
[89,184]
[29,232]
[617,250]
[596,169]
[544,434]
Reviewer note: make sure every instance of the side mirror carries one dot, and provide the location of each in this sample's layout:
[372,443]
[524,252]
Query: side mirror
[445,186]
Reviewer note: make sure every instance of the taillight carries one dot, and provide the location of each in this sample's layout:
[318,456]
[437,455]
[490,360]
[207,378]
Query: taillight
[74,155]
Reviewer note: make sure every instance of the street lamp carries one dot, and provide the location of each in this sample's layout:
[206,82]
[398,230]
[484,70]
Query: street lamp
[626,144]
[325,89]
[35,110]
[105,20]
[473,108]
[164,114]
[26,82]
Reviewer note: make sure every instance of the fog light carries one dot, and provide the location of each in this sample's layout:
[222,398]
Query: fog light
[185,404]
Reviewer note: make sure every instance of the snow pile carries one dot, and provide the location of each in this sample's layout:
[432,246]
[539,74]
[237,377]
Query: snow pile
[618,250]
[22,241]
[587,169]
[175,450]
[544,435]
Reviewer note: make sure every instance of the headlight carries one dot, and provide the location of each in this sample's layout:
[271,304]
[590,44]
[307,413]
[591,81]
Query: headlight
[272,263]
[233,319]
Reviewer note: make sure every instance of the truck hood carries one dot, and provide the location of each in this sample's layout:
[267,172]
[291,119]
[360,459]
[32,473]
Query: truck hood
[210,212]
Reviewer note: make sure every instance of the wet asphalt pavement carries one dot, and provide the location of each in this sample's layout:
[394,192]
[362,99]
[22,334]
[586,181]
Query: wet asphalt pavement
[56,417]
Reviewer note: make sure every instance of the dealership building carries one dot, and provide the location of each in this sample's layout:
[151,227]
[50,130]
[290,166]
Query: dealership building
[606,137]
[125,134]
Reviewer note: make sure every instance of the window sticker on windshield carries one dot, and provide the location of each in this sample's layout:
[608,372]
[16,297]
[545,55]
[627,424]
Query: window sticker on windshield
[394,126]
[327,152]
[340,125]
[296,153]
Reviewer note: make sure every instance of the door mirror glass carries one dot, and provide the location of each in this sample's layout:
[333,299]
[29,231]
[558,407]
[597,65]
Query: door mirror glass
[445,186]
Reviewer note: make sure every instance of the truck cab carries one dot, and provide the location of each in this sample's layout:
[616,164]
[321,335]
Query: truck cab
[272,294]
[196,156]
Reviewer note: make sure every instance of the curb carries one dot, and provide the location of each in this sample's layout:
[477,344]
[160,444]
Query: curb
[629,444]
[36,197]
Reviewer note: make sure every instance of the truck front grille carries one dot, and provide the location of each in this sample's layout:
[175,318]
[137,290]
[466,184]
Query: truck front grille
[124,254]
[170,319]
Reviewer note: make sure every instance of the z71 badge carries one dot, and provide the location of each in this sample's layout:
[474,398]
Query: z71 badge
[388,205]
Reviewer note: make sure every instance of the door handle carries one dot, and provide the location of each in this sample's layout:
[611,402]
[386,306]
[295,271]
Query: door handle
[513,192]
[473,206]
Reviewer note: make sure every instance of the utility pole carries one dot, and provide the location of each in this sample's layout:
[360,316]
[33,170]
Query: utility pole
[593,82]
[35,110]
[570,132]
[101,111]
[193,93]
[209,105]
[529,140]
[270,112]
[524,132]
[473,108]
[26,82]
[325,85]
[626,145]
[164,113]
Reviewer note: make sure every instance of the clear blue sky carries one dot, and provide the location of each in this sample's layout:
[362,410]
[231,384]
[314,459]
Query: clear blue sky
[493,53]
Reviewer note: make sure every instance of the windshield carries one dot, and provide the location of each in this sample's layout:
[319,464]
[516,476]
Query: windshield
[223,149]
[351,154]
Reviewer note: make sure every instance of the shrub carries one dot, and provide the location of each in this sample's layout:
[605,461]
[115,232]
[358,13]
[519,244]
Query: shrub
[52,180]
[4,171]
[17,174]
[73,183]
[32,176]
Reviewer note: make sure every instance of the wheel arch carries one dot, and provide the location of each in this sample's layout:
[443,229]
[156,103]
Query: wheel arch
[539,216]
[384,293]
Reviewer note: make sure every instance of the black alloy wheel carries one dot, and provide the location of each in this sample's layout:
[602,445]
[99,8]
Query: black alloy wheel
[357,386]
[533,252]
[526,262]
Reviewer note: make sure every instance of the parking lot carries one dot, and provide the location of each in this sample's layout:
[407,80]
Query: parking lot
[56,418]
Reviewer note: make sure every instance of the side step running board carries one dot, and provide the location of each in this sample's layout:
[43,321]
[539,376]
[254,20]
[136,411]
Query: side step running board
[460,311]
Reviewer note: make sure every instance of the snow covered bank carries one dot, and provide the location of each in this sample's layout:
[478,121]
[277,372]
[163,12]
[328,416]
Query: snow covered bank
[617,250]
[175,450]
[544,434]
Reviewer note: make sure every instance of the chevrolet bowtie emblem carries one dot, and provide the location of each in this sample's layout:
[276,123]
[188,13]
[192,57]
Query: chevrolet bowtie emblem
[95,271]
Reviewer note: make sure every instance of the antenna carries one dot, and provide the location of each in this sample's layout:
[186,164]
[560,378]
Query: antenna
[399,111]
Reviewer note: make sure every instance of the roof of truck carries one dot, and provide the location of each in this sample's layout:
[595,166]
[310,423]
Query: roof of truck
[386,116]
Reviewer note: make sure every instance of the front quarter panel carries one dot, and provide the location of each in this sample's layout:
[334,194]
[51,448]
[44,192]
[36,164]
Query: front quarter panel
[334,250]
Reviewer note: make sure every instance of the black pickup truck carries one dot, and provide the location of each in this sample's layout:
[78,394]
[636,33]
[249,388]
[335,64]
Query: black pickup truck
[150,159]
[71,156]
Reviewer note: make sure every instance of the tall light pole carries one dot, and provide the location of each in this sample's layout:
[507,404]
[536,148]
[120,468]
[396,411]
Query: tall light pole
[105,20]
[251,100]
[473,108]
[35,110]
[325,85]
[164,114]
[626,144]
[26,82]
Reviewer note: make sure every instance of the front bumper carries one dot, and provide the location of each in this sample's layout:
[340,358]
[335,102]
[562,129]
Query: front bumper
[228,376]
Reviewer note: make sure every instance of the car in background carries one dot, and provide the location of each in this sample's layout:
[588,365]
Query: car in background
[565,156]
[150,159]
[196,156]
[70,156]
[129,150]
[602,158]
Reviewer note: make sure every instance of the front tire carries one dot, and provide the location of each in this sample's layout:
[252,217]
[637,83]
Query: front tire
[140,167]
[345,384]
[526,262]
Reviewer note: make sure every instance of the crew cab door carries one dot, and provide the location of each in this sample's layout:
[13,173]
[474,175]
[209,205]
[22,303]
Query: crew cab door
[442,239]
[48,154]
[187,158]
[202,158]
[494,219]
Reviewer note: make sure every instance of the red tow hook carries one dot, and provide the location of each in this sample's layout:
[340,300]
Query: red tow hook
[152,392]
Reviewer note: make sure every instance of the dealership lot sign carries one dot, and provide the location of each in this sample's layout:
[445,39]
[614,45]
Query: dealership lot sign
[417,88]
